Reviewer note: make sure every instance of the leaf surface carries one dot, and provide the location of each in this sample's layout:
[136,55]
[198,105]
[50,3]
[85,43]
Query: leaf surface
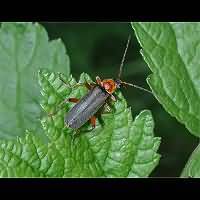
[118,147]
[25,48]
[172,52]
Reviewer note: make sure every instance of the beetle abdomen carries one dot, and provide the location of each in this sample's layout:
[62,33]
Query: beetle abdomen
[86,107]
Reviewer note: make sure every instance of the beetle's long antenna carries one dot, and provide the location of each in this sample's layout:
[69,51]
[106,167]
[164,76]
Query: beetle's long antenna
[123,58]
[121,67]
[136,86]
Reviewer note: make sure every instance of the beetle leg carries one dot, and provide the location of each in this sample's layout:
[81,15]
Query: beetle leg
[74,100]
[77,131]
[107,108]
[93,121]
[113,97]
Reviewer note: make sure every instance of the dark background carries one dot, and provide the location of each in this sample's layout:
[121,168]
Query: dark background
[97,49]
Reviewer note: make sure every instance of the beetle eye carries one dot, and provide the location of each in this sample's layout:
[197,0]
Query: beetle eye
[118,86]
[118,83]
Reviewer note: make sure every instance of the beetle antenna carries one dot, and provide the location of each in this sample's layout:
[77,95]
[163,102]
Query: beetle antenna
[136,86]
[121,67]
[123,58]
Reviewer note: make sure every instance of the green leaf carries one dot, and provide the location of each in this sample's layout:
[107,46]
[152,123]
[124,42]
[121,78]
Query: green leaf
[192,168]
[118,147]
[172,52]
[24,48]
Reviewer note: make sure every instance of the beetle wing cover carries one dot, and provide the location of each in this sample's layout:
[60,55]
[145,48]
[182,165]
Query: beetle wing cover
[86,107]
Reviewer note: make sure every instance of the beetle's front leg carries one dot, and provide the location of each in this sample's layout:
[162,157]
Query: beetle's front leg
[107,108]
[113,97]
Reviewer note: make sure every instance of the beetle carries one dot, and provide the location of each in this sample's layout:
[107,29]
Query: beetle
[99,92]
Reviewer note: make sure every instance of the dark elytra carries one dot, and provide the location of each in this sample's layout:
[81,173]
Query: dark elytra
[86,107]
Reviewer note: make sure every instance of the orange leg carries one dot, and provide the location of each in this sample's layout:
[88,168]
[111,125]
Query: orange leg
[93,121]
[74,100]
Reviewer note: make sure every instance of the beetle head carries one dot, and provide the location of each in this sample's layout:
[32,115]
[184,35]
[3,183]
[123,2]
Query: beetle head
[118,83]
[109,85]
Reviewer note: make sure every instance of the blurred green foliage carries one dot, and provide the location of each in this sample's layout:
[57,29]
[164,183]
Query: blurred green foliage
[97,49]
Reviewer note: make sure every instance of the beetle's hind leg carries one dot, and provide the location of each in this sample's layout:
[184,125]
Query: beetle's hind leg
[93,122]
[77,131]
